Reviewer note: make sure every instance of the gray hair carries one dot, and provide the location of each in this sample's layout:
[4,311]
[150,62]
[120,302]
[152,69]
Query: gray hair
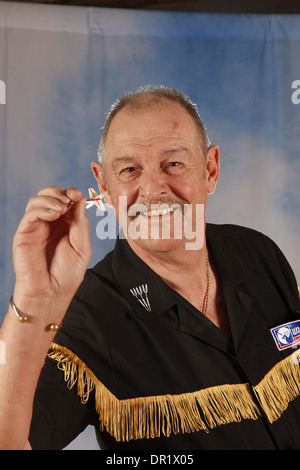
[144,97]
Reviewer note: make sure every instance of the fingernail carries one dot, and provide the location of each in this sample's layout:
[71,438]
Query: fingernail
[66,200]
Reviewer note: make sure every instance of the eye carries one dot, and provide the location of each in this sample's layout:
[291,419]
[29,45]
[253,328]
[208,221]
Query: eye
[174,167]
[129,172]
[129,169]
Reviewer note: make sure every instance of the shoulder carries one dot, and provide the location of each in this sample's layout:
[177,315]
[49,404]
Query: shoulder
[94,299]
[229,230]
[248,247]
[236,236]
[86,324]
[97,277]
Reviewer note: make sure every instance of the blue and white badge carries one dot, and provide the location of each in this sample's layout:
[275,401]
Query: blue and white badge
[286,335]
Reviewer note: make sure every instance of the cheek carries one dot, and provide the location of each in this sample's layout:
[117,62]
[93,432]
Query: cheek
[121,190]
[191,188]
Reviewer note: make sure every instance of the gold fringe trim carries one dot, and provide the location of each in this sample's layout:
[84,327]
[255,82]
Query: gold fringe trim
[154,416]
[279,387]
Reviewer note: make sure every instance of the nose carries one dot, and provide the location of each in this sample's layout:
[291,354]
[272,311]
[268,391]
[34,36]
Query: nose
[153,184]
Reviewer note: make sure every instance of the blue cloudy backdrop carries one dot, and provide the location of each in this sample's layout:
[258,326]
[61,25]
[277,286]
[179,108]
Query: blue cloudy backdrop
[64,66]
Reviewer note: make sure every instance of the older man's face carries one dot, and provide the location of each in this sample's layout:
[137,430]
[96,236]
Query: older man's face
[155,164]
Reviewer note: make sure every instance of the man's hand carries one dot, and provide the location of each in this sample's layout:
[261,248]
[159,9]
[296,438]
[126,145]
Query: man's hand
[51,248]
[51,252]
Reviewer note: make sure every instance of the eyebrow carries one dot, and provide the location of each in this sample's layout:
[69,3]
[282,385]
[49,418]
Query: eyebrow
[124,159]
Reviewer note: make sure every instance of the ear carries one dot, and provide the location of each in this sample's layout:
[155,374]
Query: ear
[98,173]
[212,167]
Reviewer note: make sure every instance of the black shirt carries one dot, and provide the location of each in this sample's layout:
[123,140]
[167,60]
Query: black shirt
[149,371]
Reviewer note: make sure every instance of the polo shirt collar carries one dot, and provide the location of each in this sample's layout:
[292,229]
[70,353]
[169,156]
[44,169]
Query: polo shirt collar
[148,294]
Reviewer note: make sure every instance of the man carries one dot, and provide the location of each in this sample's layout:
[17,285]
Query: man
[164,345]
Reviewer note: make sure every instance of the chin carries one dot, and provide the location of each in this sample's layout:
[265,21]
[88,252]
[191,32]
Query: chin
[157,245]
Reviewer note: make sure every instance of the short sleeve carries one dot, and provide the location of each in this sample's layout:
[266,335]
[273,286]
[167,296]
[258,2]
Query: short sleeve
[59,416]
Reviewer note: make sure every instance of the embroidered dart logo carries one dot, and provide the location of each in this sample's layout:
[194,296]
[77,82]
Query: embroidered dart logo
[140,293]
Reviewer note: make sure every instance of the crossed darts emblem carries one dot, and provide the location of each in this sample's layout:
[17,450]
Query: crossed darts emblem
[140,293]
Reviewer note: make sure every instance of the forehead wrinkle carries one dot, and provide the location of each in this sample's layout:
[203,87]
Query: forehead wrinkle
[131,146]
[148,141]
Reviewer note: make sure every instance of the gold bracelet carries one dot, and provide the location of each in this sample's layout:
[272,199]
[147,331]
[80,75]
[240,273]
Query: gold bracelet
[22,317]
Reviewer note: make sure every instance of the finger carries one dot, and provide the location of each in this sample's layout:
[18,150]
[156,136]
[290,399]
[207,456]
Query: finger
[55,191]
[46,202]
[36,215]
[73,194]
[54,198]
[66,196]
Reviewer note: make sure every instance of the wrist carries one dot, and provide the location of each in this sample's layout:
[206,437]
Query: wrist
[43,313]
[25,318]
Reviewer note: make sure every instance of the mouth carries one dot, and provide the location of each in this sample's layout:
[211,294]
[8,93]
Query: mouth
[153,211]
[158,212]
